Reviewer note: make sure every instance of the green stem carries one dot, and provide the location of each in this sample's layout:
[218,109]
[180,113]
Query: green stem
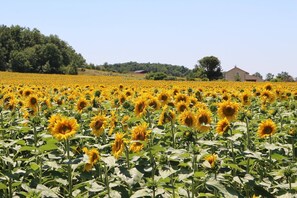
[172,134]
[10,182]
[106,180]
[247,133]
[69,169]
[153,173]
[127,156]
[293,148]
[270,161]
[172,185]
[194,168]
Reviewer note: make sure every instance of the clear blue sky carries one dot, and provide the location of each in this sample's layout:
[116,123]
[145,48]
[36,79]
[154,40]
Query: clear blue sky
[256,35]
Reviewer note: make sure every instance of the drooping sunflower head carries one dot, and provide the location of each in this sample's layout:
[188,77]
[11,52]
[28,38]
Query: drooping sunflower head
[223,126]
[228,110]
[188,118]
[266,128]
[118,145]
[93,157]
[139,133]
[211,159]
[268,87]
[140,107]
[98,124]
[81,104]
[64,128]
[267,96]
[203,120]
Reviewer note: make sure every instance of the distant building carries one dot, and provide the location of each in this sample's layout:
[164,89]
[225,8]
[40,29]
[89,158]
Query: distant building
[140,72]
[237,74]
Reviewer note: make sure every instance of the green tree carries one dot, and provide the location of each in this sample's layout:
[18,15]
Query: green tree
[211,67]
[284,77]
[269,77]
[257,74]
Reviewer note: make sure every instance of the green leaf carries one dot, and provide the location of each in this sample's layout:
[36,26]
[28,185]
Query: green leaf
[141,193]
[27,148]
[220,187]
[278,157]
[199,174]
[48,147]
[156,149]
[3,186]
[34,166]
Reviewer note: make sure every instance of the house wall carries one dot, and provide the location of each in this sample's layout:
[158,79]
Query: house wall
[232,74]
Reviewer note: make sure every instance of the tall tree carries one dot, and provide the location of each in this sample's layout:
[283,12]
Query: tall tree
[211,67]
[269,77]
[284,77]
[257,74]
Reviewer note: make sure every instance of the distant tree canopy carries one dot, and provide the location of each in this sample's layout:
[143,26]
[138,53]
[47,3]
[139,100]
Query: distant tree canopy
[170,70]
[25,50]
[209,67]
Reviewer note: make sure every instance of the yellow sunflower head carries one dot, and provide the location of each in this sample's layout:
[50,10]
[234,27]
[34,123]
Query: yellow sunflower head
[228,110]
[64,128]
[223,126]
[267,96]
[140,107]
[153,103]
[32,102]
[187,118]
[266,128]
[81,104]
[164,97]
[182,106]
[211,160]
[118,145]
[93,157]
[181,97]
[203,120]
[166,116]
[98,124]
[245,98]
[139,133]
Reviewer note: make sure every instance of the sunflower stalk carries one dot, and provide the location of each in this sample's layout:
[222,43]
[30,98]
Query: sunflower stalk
[67,145]
[106,180]
[194,168]
[127,156]
[293,148]
[172,134]
[270,152]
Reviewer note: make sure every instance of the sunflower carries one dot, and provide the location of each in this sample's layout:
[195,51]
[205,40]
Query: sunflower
[122,98]
[118,145]
[64,128]
[140,107]
[245,98]
[181,107]
[98,124]
[32,102]
[81,104]
[164,97]
[223,126]
[268,87]
[166,116]
[53,121]
[211,159]
[153,103]
[266,128]
[203,120]
[267,96]
[93,157]
[187,118]
[112,122]
[228,110]
[139,133]
[181,97]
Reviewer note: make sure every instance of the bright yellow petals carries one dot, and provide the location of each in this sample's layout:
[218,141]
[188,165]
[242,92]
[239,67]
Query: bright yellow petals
[139,133]
[266,128]
[188,118]
[182,106]
[228,110]
[140,107]
[166,116]
[223,126]
[63,128]
[93,157]
[98,124]
[81,104]
[211,160]
[203,120]
[118,145]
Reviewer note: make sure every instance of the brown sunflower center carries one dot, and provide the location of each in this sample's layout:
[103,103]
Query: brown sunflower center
[98,124]
[64,129]
[267,130]
[228,111]
[118,145]
[140,107]
[203,119]
[33,101]
[82,105]
[140,136]
[164,97]
[94,157]
[182,108]
[189,121]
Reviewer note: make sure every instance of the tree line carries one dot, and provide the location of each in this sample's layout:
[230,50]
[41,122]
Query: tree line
[25,50]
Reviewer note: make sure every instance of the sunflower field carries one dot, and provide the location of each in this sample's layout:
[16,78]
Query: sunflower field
[100,136]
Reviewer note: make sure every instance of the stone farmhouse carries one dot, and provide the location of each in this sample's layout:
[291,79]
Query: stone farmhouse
[237,74]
